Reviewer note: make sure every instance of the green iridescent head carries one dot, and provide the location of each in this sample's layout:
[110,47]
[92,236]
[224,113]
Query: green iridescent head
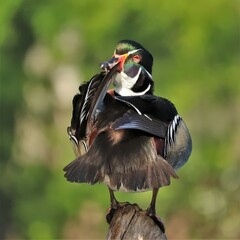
[134,52]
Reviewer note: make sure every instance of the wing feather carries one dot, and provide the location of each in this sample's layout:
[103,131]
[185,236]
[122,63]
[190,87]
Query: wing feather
[99,95]
[132,120]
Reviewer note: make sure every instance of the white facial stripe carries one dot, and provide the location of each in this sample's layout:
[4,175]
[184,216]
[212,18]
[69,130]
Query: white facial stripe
[128,53]
[133,51]
[150,76]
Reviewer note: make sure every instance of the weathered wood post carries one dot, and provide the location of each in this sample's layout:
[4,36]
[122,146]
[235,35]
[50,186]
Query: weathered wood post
[131,222]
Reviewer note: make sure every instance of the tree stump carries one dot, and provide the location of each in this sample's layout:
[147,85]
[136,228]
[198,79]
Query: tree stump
[131,222]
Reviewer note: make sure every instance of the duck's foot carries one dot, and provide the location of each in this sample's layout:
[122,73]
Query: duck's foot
[157,220]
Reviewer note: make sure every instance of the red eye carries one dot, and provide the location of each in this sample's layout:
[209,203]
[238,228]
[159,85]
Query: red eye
[136,58]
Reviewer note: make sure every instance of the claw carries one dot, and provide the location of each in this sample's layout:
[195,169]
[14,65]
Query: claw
[156,219]
[110,214]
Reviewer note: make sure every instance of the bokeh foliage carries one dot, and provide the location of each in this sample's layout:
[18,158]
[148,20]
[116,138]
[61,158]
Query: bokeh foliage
[49,47]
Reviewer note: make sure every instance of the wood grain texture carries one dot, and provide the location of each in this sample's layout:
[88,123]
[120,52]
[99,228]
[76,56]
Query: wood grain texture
[131,222]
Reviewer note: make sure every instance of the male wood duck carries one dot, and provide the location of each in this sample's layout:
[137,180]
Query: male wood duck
[126,138]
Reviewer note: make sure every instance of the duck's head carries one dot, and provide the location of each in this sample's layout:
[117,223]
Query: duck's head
[134,71]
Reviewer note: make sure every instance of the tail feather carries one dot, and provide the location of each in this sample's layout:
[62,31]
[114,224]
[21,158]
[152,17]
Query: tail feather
[154,175]
[80,171]
[163,172]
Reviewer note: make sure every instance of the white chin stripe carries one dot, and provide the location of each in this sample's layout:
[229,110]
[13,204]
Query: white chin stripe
[129,92]
[124,83]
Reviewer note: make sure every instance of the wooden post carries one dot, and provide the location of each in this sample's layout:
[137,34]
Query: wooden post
[131,222]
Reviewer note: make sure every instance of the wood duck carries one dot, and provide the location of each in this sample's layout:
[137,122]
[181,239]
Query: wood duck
[126,137]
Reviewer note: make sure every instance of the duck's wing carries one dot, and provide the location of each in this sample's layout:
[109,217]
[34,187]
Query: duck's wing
[86,106]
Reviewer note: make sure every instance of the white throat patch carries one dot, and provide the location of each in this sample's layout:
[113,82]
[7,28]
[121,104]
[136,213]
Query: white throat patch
[124,83]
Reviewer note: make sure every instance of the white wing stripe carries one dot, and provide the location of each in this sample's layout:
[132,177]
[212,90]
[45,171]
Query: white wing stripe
[172,129]
[129,104]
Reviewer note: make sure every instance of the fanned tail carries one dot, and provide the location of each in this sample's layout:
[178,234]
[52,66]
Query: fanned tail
[81,171]
[154,175]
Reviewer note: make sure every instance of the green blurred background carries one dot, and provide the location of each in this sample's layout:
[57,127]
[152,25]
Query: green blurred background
[49,47]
